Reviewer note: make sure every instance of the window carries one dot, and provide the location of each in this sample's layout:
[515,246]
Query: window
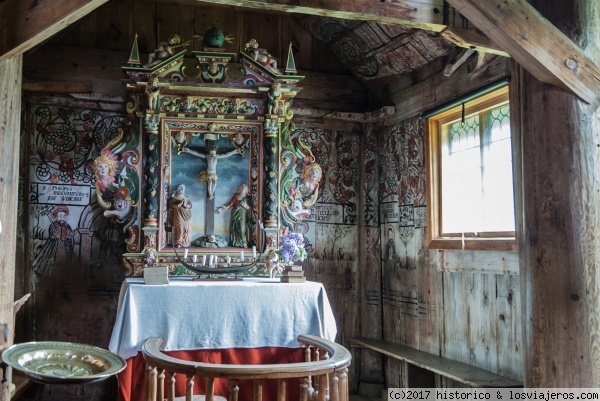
[470,176]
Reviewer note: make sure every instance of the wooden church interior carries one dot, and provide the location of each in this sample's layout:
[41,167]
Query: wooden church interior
[522,311]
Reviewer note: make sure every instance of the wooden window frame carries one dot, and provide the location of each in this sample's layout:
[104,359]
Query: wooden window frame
[470,241]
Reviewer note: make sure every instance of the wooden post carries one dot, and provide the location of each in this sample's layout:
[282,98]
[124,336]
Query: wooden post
[371,306]
[10,130]
[558,200]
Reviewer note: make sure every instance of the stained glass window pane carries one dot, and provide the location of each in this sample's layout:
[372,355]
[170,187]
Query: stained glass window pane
[476,179]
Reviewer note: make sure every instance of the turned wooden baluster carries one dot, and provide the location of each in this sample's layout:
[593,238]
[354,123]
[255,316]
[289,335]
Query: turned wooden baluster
[189,388]
[160,390]
[151,383]
[210,389]
[304,386]
[281,389]
[325,387]
[308,358]
[258,390]
[171,389]
[334,389]
[233,390]
[343,385]
[322,392]
[316,383]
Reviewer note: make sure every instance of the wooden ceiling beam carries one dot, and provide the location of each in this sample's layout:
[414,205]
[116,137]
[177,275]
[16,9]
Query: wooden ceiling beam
[421,14]
[472,39]
[536,44]
[25,24]
[57,86]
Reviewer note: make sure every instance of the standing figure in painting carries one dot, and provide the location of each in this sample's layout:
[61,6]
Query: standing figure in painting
[210,175]
[59,246]
[241,217]
[179,216]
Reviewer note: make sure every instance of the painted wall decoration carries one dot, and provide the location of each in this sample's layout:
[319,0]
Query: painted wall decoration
[220,174]
[402,199]
[334,238]
[63,145]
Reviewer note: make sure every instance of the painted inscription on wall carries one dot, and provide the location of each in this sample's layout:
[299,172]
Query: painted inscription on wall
[61,194]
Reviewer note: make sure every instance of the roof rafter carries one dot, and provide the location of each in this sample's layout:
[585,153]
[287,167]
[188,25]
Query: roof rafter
[26,24]
[420,14]
[536,44]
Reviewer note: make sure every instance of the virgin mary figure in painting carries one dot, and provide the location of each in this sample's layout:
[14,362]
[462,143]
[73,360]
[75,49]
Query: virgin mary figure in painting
[241,217]
[179,216]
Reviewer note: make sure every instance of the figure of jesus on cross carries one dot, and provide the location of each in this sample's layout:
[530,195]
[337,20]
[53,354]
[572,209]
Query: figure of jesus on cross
[210,174]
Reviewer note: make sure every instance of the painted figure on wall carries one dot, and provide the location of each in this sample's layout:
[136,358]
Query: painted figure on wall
[60,244]
[210,174]
[241,217]
[179,216]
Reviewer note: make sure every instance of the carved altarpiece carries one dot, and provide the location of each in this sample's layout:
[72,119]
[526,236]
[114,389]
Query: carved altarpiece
[240,110]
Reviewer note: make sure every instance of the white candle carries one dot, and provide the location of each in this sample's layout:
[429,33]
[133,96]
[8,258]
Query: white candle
[195,258]
[210,261]
[242,256]
[254,251]
[185,253]
[203,260]
[228,259]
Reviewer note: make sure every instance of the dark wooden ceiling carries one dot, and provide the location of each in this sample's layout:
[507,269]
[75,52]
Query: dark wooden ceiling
[371,50]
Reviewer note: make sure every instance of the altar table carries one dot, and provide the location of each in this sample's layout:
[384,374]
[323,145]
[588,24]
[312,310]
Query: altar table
[247,322]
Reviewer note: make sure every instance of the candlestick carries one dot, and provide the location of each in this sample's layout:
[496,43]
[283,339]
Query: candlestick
[185,253]
[254,251]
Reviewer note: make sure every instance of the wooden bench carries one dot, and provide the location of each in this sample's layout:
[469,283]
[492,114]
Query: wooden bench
[428,365]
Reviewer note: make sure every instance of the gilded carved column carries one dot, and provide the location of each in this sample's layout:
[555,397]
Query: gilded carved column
[151,173]
[271,169]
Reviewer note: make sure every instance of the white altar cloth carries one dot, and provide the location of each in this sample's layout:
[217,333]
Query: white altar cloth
[191,315]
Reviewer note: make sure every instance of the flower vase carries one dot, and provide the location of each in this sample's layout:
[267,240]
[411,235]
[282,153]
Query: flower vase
[292,273]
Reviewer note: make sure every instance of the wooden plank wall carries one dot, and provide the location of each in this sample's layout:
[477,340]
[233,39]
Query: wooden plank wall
[113,26]
[456,304]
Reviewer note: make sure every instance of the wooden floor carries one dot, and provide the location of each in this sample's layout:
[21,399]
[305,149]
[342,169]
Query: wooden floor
[357,397]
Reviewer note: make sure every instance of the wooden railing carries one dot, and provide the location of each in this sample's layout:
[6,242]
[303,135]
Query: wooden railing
[323,376]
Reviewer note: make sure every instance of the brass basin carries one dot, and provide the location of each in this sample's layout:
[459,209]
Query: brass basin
[54,362]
